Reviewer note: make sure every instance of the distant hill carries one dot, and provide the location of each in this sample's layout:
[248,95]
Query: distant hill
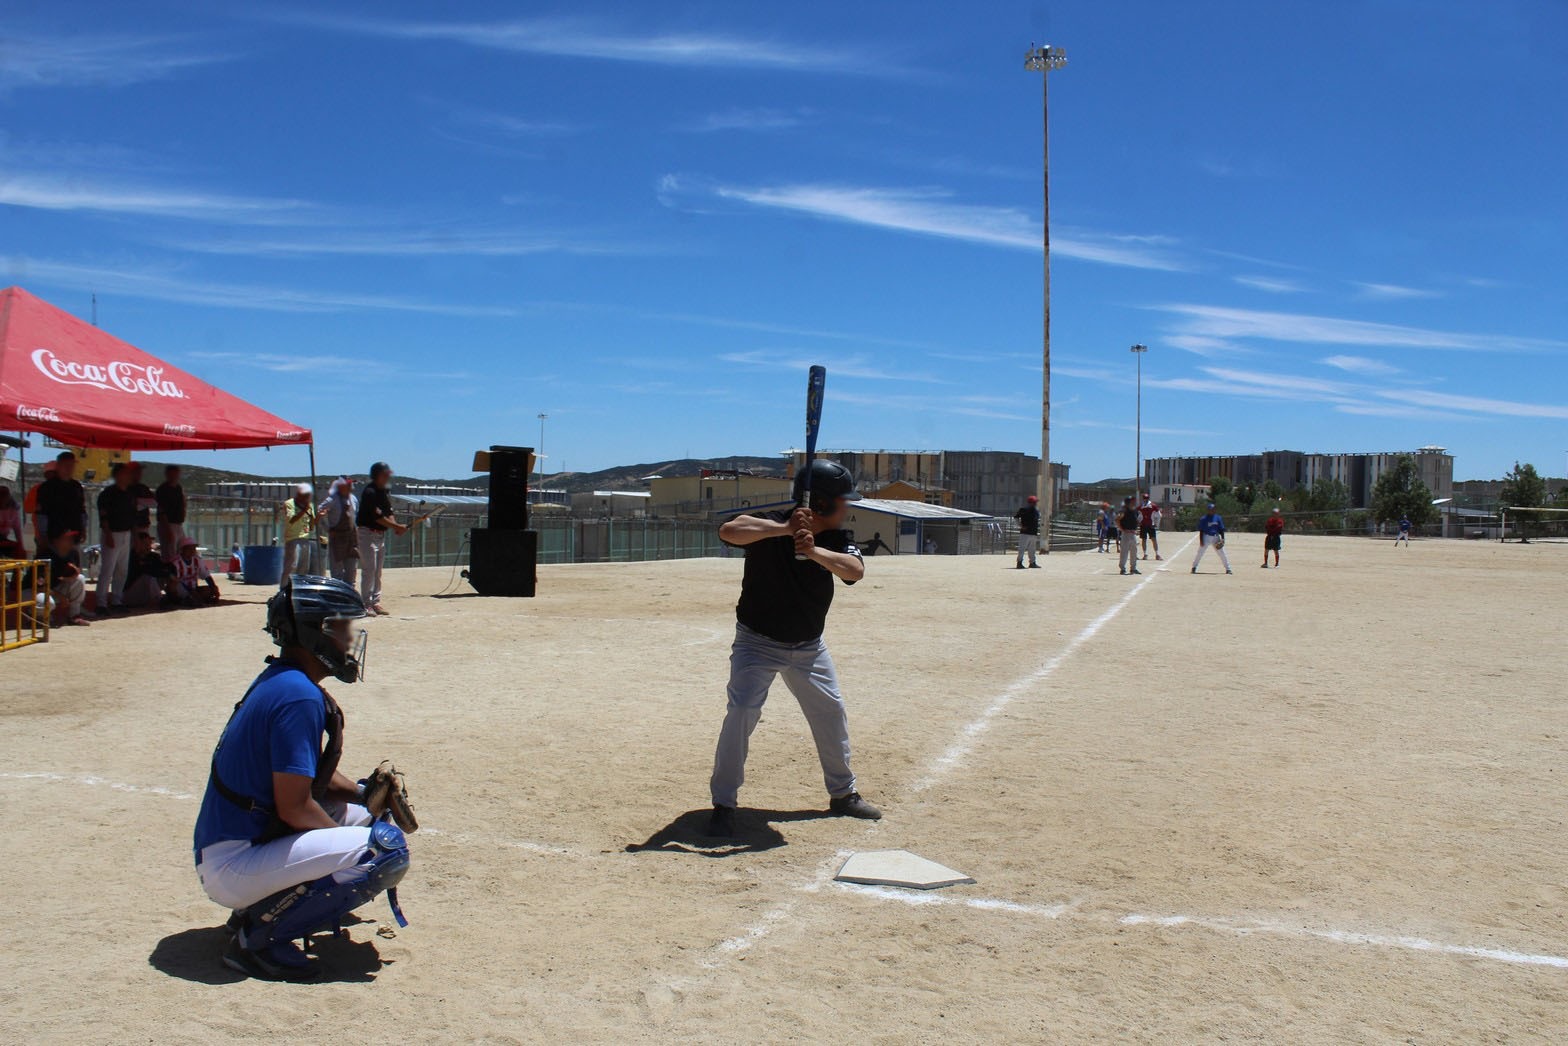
[621,477]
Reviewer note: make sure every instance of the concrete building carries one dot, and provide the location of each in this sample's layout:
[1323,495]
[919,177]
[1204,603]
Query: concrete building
[615,504]
[916,528]
[714,490]
[1292,469]
[990,482]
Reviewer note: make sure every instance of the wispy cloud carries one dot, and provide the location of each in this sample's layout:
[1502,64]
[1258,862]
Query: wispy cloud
[1225,324]
[932,212]
[140,283]
[1203,345]
[513,125]
[578,38]
[737,119]
[1272,284]
[1475,404]
[843,366]
[986,407]
[67,193]
[1361,365]
[94,61]
[420,243]
[763,327]
[1391,292]
[359,368]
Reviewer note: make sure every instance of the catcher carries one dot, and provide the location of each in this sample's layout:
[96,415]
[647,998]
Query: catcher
[284,838]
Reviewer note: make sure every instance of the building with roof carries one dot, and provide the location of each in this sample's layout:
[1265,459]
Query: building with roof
[1291,469]
[990,482]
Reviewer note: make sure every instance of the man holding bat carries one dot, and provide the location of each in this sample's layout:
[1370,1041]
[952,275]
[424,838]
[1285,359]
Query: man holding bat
[792,557]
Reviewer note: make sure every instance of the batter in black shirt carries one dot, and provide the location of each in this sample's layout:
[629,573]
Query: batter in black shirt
[784,598]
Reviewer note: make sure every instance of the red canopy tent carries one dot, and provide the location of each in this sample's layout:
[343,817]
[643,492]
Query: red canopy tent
[69,380]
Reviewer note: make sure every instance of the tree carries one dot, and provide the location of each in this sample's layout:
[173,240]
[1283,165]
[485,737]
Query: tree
[1523,487]
[1246,494]
[1219,486]
[1400,492]
[1272,491]
[1328,495]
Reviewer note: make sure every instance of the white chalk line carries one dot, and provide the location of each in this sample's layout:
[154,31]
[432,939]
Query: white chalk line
[771,919]
[97,782]
[1235,927]
[972,731]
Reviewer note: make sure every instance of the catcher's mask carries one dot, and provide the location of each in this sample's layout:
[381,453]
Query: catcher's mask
[314,613]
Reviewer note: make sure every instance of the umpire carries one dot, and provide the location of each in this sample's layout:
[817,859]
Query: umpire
[792,557]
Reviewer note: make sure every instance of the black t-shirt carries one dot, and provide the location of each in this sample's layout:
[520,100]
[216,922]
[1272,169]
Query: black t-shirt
[64,503]
[375,505]
[171,503]
[1128,520]
[142,492]
[62,567]
[782,597]
[1028,519]
[117,509]
[150,565]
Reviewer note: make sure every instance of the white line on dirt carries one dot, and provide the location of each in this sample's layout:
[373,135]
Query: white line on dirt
[972,731]
[98,782]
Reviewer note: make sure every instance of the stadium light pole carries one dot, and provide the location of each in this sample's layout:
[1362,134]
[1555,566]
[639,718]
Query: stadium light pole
[542,418]
[1045,60]
[1138,351]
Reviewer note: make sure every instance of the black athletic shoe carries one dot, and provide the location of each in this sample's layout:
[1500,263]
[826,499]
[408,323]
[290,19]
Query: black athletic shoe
[852,805]
[276,962]
[721,825]
[1135,571]
[1034,566]
[235,924]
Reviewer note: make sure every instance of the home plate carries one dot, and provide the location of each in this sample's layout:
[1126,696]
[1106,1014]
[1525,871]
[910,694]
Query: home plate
[898,868]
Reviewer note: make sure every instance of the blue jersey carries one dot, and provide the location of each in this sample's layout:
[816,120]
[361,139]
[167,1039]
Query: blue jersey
[1211,525]
[277,730]
[1404,526]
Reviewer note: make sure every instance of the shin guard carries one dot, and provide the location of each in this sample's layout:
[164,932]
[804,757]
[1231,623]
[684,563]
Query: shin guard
[319,906]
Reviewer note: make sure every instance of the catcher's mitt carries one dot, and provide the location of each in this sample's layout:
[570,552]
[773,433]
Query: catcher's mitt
[386,792]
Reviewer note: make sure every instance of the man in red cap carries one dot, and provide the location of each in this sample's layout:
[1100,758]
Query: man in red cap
[1028,519]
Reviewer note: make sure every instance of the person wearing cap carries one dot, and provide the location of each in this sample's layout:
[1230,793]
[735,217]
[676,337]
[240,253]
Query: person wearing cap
[190,574]
[116,521]
[1127,536]
[339,509]
[62,503]
[299,531]
[374,520]
[1149,527]
[1211,534]
[792,557]
[1273,527]
[1028,518]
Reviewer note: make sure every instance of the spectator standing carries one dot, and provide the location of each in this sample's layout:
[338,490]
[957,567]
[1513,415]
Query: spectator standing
[116,521]
[40,523]
[299,531]
[171,512]
[1028,518]
[142,495]
[1273,527]
[1127,541]
[374,521]
[11,546]
[1102,526]
[341,510]
[62,503]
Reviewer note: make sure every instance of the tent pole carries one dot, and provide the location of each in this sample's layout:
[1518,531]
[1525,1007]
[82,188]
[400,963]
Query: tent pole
[312,446]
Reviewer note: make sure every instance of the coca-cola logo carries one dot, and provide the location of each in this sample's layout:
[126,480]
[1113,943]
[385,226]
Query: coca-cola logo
[118,376]
[179,430]
[292,437]
[37,414]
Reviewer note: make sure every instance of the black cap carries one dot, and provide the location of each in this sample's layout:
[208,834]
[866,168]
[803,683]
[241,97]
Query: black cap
[380,467]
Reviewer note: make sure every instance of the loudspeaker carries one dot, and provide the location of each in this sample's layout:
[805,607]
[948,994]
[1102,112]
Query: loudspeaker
[503,562]
[509,468]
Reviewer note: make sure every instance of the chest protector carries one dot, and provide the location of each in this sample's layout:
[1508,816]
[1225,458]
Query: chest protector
[326,766]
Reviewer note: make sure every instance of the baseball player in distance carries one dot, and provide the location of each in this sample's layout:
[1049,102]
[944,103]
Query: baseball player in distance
[281,837]
[1211,534]
[779,621]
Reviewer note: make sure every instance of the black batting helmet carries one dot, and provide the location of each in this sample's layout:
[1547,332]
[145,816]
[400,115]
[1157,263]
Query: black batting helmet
[829,482]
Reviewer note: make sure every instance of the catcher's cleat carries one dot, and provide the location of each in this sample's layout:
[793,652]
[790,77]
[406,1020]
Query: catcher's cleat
[235,924]
[721,824]
[283,961]
[852,805]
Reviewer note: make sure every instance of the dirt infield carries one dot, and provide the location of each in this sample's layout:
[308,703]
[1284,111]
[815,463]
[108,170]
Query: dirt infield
[1314,804]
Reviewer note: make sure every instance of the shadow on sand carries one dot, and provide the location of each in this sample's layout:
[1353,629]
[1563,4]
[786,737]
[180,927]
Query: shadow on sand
[196,955]
[754,833]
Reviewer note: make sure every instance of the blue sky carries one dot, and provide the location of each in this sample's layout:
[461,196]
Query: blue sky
[1338,226]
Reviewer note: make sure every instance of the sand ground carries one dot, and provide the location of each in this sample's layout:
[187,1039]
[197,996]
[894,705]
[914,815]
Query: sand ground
[1317,804]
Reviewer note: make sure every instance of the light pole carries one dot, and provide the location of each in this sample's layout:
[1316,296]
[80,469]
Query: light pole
[540,455]
[1138,351]
[1044,60]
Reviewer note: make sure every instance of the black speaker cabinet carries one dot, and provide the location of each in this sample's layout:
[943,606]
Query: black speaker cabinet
[509,487]
[503,561]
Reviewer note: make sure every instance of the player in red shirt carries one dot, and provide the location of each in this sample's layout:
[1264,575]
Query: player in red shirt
[1273,527]
[1149,527]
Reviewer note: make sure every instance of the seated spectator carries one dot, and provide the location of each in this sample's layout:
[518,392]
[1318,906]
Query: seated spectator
[65,579]
[190,570]
[148,576]
[11,546]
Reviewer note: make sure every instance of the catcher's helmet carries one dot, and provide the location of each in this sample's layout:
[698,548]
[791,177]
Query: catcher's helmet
[300,613]
[829,482]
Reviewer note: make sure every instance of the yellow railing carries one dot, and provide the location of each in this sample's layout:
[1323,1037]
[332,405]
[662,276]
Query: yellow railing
[20,622]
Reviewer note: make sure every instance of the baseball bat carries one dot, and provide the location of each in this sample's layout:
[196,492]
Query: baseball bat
[816,382]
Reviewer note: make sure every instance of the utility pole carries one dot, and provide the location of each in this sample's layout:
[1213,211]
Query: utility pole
[1138,351]
[1045,60]
[540,455]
